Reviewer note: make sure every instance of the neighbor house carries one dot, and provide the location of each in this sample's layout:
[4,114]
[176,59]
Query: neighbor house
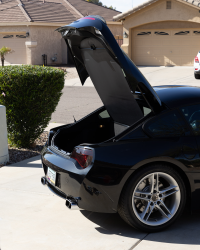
[160,32]
[28,28]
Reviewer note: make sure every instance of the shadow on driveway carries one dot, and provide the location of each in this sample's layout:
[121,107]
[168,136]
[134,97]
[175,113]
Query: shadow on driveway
[111,224]
[185,231]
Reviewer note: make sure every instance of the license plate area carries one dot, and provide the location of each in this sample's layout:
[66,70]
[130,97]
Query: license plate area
[51,176]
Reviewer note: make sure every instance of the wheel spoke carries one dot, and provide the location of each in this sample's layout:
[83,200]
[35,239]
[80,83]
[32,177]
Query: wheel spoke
[167,189]
[151,210]
[141,198]
[163,204]
[162,212]
[142,192]
[152,183]
[157,181]
[168,194]
[145,210]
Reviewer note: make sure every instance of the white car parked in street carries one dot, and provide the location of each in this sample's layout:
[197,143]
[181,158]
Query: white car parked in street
[197,66]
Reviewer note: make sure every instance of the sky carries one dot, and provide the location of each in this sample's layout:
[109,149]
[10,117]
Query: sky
[122,5]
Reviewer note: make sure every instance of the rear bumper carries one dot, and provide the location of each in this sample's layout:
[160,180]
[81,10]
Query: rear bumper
[72,181]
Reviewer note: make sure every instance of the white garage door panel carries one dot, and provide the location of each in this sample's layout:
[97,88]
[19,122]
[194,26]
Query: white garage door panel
[18,54]
[150,60]
[171,49]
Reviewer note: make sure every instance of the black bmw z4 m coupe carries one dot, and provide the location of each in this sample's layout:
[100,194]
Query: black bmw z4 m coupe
[138,155]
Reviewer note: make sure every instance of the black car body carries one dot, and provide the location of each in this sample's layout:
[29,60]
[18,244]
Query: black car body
[96,162]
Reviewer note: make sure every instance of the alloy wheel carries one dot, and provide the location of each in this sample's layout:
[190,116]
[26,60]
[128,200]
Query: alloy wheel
[156,198]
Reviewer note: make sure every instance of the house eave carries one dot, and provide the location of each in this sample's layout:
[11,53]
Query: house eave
[32,24]
[44,24]
[116,23]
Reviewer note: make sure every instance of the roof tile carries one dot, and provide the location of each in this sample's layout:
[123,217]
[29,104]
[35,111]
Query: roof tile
[11,12]
[53,11]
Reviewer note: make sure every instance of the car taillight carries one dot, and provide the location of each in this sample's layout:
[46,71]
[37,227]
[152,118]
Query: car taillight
[196,68]
[83,156]
[196,59]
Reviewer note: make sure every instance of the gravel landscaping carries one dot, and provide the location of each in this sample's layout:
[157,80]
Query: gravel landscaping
[20,154]
[71,72]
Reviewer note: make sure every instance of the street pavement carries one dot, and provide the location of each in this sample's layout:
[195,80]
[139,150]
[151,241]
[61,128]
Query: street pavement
[32,217]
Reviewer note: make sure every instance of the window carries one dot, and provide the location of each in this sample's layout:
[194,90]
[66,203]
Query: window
[192,115]
[8,36]
[167,125]
[20,36]
[168,5]
[143,105]
[146,111]
[162,33]
[104,114]
[144,33]
[182,33]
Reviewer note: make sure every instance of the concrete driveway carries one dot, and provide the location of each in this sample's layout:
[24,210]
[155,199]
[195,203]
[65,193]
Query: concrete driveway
[32,218]
[170,75]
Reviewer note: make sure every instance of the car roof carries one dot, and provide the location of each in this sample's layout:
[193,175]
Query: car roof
[176,95]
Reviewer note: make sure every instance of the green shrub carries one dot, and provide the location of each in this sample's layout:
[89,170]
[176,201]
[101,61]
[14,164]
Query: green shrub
[30,95]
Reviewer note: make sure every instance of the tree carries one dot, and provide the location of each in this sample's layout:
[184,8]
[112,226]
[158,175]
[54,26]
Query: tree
[4,51]
[112,8]
[97,2]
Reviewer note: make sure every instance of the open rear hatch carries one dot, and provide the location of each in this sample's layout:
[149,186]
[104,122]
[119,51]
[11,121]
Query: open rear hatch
[97,55]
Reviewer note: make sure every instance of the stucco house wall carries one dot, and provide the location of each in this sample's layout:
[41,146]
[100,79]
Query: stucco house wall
[51,43]
[116,29]
[43,39]
[48,42]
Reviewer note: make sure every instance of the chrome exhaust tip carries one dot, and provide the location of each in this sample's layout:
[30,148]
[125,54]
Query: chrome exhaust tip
[43,181]
[72,203]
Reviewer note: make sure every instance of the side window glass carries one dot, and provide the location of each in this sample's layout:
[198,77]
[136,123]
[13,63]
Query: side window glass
[146,111]
[104,114]
[192,115]
[168,125]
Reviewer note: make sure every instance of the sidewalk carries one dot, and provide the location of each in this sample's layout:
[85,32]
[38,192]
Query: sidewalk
[32,217]
[77,83]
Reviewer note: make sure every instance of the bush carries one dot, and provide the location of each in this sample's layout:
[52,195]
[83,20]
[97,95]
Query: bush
[30,95]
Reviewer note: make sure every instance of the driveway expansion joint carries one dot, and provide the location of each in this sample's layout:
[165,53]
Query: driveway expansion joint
[137,243]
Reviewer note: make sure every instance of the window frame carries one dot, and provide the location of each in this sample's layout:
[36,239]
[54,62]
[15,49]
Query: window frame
[168,5]
[159,116]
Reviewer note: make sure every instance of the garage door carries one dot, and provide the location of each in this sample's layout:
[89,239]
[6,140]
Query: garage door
[17,43]
[165,47]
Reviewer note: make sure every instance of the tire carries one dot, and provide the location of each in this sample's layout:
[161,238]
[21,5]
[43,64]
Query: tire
[196,76]
[153,208]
